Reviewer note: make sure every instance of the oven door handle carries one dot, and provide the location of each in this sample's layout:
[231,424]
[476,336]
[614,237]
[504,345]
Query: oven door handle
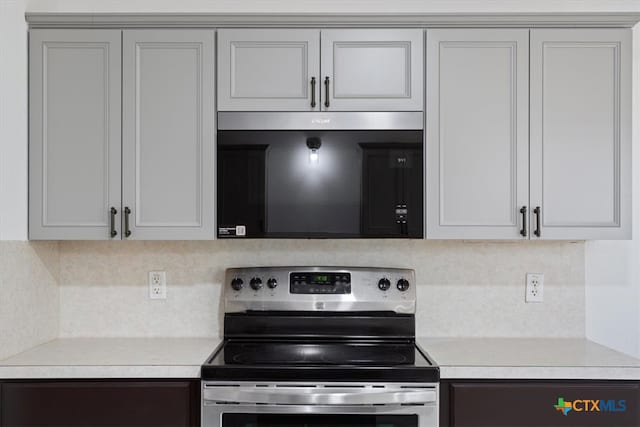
[319,396]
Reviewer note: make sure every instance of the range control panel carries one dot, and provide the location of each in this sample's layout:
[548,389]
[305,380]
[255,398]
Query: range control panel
[319,288]
[319,283]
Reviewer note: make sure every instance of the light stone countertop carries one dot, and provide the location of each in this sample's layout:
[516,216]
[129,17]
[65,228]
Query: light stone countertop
[528,358]
[463,358]
[111,358]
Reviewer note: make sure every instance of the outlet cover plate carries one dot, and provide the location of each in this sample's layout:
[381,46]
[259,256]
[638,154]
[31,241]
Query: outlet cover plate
[534,288]
[158,285]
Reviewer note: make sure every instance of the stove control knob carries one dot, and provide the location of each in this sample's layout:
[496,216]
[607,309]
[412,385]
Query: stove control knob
[237,284]
[384,284]
[403,285]
[272,283]
[256,283]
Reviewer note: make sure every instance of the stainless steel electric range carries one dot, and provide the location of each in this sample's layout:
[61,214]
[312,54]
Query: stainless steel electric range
[317,347]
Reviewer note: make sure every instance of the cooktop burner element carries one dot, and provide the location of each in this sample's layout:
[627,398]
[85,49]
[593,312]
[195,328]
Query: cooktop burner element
[320,324]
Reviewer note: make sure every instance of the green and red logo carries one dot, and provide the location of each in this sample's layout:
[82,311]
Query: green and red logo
[590,405]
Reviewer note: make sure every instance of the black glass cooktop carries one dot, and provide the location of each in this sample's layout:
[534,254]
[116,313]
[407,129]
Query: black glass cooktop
[327,353]
[320,360]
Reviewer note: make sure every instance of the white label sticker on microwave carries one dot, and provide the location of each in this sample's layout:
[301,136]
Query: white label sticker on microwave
[238,231]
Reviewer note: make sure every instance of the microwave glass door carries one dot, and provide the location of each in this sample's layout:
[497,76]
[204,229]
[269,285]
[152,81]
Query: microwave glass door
[320,183]
[318,420]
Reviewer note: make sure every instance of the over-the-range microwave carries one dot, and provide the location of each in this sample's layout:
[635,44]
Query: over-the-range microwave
[320,175]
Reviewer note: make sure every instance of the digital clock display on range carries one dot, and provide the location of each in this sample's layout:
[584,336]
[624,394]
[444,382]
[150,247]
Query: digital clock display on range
[321,279]
[320,283]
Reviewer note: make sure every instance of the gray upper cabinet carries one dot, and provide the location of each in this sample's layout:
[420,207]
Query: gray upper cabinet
[477,133]
[268,70]
[168,134]
[372,70]
[280,70]
[528,132]
[581,133]
[74,146]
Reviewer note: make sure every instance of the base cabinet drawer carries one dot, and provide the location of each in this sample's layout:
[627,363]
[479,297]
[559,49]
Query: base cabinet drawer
[174,403]
[540,403]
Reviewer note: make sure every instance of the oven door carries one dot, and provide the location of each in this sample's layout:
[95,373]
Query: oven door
[348,405]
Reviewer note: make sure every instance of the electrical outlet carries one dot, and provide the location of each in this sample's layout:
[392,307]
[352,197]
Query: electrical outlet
[535,287]
[157,285]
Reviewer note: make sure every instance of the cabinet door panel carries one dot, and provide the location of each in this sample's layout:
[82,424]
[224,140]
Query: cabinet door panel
[373,70]
[75,145]
[267,70]
[477,133]
[533,403]
[168,133]
[172,403]
[581,132]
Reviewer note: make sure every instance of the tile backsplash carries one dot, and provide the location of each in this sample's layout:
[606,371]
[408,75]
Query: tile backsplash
[464,288]
[29,292]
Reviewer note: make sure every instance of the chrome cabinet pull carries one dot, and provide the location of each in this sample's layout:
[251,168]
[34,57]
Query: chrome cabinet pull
[523,231]
[326,91]
[313,92]
[127,212]
[113,212]
[537,231]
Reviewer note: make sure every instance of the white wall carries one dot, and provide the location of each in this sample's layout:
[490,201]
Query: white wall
[29,292]
[613,268]
[13,121]
[29,309]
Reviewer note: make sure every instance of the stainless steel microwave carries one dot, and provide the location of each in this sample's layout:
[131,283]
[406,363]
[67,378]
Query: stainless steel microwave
[320,175]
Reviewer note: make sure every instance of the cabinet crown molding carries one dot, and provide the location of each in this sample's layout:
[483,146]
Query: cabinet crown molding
[329,20]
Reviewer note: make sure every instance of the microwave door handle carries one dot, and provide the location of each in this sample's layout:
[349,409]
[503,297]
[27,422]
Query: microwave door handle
[318,396]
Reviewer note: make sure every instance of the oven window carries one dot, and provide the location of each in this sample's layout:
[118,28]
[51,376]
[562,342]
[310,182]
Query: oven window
[315,420]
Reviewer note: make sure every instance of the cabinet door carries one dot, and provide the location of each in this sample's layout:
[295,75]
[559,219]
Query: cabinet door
[477,133]
[372,70]
[581,133]
[108,403]
[530,403]
[268,70]
[168,134]
[74,144]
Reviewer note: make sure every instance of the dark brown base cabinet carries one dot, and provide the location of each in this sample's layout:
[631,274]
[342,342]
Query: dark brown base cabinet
[530,403]
[131,403]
